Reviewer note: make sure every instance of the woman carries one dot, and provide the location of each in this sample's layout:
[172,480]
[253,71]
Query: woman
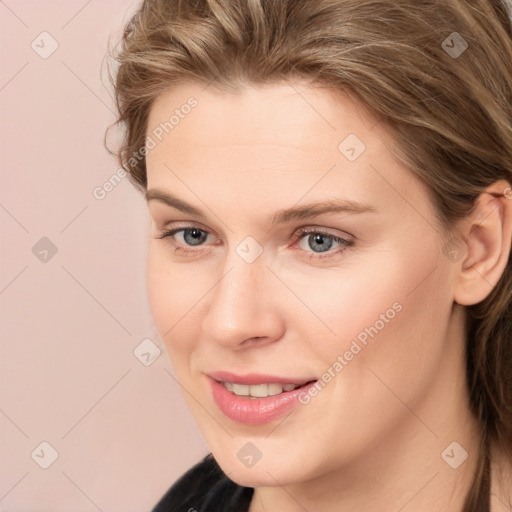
[329,185]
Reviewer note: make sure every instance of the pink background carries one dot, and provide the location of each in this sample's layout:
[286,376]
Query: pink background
[69,325]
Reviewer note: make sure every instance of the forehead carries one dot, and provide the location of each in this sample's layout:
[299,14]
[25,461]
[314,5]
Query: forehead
[283,113]
[279,142]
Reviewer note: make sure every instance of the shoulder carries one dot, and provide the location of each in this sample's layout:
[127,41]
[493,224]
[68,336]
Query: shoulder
[204,488]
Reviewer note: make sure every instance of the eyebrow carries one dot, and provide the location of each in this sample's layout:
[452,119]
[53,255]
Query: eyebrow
[280,216]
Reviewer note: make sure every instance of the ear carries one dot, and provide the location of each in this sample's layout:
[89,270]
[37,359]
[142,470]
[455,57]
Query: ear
[486,237]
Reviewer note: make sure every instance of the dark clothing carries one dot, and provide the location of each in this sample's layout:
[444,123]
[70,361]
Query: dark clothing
[205,488]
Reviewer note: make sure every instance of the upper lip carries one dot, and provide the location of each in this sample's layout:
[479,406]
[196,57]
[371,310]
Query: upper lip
[257,378]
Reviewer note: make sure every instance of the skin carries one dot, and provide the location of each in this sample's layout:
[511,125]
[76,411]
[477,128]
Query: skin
[372,439]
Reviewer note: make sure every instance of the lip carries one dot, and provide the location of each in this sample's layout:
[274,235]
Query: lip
[256,378]
[255,411]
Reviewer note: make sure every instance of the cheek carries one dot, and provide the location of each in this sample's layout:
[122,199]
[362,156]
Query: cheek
[345,303]
[398,361]
[390,326]
[392,308]
[174,294]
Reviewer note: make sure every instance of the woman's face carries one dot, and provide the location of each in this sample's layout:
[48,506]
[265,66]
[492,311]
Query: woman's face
[301,251]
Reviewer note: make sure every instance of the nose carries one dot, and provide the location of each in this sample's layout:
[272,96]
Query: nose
[243,307]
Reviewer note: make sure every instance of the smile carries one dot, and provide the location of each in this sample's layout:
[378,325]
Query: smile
[259,390]
[256,403]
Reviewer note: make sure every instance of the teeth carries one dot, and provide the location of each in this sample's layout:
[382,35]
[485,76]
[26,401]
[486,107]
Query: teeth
[259,390]
[241,389]
[274,389]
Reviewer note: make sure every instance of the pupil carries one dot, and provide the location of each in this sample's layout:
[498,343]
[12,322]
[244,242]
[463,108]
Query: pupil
[321,243]
[195,236]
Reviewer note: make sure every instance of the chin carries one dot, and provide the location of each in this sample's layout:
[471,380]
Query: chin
[260,478]
[264,473]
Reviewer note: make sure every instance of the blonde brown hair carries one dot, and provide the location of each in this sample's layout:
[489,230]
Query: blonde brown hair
[436,73]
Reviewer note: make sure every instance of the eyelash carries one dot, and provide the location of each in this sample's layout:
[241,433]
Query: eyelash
[344,242]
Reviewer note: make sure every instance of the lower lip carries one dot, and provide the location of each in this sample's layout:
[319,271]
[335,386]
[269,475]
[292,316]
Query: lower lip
[255,411]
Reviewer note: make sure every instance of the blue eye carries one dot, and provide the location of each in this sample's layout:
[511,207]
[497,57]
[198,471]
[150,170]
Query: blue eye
[320,242]
[194,236]
[312,241]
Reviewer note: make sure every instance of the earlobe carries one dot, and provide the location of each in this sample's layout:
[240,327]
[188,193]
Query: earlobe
[487,236]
